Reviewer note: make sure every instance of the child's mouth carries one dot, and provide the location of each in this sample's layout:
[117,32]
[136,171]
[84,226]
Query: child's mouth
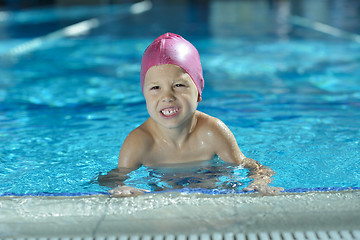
[170,112]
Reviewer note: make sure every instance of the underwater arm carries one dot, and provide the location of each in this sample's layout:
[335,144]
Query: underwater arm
[261,176]
[115,179]
[229,151]
[132,151]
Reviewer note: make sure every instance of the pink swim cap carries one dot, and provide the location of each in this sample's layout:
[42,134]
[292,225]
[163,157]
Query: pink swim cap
[170,48]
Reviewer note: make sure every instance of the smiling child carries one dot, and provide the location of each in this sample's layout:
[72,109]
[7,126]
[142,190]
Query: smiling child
[176,133]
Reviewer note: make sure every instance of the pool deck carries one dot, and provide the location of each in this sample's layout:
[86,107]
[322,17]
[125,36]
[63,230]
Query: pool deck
[176,213]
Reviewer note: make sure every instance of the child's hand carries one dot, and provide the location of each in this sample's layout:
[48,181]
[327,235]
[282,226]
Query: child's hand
[262,179]
[265,190]
[126,191]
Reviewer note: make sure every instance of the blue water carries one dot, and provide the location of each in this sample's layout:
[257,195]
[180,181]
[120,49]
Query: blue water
[66,106]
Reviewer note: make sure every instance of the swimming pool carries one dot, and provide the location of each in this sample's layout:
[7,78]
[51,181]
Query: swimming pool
[290,94]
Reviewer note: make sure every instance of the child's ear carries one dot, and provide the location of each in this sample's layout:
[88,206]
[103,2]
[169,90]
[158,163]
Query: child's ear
[199,98]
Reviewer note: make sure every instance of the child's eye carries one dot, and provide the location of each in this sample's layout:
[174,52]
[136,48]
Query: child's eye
[180,85]
[155,88]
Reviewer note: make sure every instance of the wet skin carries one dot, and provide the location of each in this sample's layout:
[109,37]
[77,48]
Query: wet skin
[176,133]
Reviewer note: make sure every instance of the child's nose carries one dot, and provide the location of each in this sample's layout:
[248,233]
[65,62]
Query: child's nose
[168,96]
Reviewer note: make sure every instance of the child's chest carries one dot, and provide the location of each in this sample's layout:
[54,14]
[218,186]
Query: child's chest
[187,153]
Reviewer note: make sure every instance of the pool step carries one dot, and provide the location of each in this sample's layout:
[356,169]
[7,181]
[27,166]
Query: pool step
[299,235]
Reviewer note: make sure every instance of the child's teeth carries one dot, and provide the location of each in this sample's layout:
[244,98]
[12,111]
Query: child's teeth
[168,112]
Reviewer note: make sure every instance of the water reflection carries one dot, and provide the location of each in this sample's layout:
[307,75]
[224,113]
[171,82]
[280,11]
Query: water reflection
[215,17]
[263,17]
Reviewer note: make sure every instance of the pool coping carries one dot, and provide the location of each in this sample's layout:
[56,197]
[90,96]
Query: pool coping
[177,213]
[182,190]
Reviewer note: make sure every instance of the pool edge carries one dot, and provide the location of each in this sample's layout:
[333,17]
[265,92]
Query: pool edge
[93,216]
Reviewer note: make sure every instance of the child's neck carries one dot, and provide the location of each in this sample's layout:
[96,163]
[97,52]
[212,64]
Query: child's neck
[176,136]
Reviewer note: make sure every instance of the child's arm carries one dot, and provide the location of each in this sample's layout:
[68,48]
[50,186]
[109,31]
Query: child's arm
[132,152]
[115,180]
[228,150]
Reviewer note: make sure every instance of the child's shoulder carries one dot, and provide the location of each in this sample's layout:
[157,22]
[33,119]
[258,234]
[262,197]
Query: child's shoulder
[135,148]
[209,122]
[213,126]
[140,135]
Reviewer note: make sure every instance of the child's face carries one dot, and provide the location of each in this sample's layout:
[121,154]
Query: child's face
[171,95]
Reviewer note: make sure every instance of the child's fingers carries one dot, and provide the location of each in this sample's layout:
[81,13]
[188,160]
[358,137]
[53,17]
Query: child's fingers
[263,189]
[251,187]
[270,191]
[125,191]
[248,189]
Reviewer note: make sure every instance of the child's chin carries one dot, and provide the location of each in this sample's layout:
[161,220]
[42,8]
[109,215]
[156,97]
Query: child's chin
[169,123]
[170,126]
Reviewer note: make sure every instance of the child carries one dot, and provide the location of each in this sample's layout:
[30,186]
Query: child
[176,133]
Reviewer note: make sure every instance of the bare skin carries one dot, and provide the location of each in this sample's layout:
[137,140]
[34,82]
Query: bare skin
[176,133]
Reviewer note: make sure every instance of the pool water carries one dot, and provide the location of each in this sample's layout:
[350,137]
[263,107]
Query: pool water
[66,107]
